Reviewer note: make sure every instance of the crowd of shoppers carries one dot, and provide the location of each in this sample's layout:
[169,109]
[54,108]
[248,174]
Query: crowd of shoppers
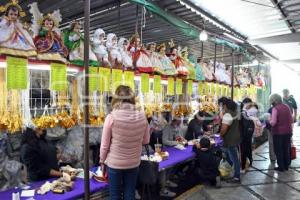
[126,130]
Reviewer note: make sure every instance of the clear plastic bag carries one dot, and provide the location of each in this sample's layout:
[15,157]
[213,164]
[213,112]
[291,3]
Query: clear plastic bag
[225,169]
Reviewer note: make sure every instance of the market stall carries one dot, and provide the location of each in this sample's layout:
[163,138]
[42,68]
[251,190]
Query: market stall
[50,82]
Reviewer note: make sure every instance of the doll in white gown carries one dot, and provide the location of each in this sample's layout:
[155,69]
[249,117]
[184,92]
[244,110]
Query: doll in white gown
[114,55]
[99,47]
[14,38]
[126,57]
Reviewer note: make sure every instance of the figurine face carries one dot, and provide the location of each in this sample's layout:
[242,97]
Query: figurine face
[101,37]
[125,44]
[49,24]
[137,41]
[174,51]
[76,28]
[114,40]
[152,47]
[13,14]
[162,50]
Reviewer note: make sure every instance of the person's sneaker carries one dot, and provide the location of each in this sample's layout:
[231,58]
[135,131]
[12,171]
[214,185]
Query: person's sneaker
[218,182]
[171,184]
[234,180]
[243,171]
[167,193]
[137,195]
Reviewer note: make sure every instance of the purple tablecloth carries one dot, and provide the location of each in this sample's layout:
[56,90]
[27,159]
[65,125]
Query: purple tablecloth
[176,156]
[77,192]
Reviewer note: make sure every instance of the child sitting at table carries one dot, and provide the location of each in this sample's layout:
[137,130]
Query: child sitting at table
[207,163]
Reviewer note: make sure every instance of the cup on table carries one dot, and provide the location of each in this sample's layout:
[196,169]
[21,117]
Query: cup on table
[157,148]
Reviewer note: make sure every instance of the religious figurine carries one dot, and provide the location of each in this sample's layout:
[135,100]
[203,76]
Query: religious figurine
[168,66]
[190,66]
[14,38]
[74,41]
[100,48]
[175,56]
[114,55]
[140,57]
[126,57]
[221,74]
[208,73]
[198,69]
[47,36]
[154,57]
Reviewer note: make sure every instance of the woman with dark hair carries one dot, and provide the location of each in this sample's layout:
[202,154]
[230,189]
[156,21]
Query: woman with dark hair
[125,130]
[247,130]
[39,156]
[197,126]
[231,134]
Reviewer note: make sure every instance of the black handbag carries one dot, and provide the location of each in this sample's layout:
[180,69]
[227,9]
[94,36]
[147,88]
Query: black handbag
[148,172]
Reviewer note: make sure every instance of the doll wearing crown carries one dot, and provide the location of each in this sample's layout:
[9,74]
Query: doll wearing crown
[175,56]
[74,41]
[168,66]
[140,57]
[14,39]
[154,57]
[123,45]
[47,36]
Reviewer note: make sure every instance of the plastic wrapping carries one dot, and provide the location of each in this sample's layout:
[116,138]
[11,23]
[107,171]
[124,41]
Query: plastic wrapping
[10,170]
[71,147]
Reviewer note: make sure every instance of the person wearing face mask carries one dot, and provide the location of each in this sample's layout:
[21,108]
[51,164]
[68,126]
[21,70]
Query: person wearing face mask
[230,134]
[38,155]
[197,126]
[172,134]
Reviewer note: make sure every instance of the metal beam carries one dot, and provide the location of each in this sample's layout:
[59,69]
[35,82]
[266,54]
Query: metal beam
[290,25]
[286,38]
[292,61]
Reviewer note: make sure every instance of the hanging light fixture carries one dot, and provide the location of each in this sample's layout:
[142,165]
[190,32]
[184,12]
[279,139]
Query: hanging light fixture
[203,36]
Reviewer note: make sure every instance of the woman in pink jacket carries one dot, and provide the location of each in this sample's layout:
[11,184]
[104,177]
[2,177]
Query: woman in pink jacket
[125,130]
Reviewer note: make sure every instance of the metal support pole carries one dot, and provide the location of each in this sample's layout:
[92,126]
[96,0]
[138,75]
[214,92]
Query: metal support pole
[202,49]
[119,16]
[137,19]
[215,58]
[87,5]
[232,75]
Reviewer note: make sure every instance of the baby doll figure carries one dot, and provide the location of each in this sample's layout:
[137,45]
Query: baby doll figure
[14,38]
[99,47]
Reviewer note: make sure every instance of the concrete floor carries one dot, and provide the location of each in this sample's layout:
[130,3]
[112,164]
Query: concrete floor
[261,182]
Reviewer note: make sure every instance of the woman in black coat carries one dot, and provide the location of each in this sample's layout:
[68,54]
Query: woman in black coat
[39,156]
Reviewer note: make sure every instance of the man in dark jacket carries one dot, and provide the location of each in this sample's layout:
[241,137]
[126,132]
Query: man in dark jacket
[207,163]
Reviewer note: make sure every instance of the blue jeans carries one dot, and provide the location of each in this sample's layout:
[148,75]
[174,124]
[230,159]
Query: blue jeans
[122,183]
[233,159]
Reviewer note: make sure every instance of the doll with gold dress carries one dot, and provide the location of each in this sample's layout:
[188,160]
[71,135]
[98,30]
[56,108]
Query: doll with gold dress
[154,57]
[126,57]
[74,41]
[47,36]
[168,66]
[139,55]
[14,38]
